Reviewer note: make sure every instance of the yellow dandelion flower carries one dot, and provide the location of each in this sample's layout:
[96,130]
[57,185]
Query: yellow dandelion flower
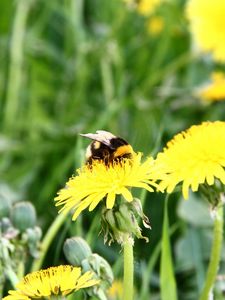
[116,290]
[193,157]
[214,91]
[61,280]
[155,25]
[16,295]
[91,185]
[147,7]
[207,24]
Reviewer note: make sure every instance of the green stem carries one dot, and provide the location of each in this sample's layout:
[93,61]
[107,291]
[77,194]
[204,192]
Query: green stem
[7,266]
[128,269]
[11,275]
[107,80]
[47,240]
[21,268]
[16,62]
[215,254]
[76,13]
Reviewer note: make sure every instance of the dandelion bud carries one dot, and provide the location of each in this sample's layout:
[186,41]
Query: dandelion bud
[102,270]
[5,206]
[128,217]
[137,209]
[76,250]
[32,238]
[7,230]
[123,220]
[110,227]
[23,216]
[100,266]
[5,224]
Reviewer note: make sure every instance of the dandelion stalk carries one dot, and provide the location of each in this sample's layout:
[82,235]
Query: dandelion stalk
[128,269]
[11,275]
[47,240]
[215,254]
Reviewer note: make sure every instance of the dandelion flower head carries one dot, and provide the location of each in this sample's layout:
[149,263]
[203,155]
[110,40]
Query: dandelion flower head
[207,24]
[193,157]
[91,185]
[61,280]
[214,91]
[147,7]
[155,25]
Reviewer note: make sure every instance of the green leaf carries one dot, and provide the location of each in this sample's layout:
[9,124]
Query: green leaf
[167,280]
[195,211]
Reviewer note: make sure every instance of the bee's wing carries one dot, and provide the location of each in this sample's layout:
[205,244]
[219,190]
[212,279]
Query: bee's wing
[101,136]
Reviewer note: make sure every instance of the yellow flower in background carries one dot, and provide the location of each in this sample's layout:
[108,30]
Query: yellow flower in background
[214,91]
[116,290]
[147,7]
[91,185]
[207,24]
[193,157]
[61,280]
[155,25]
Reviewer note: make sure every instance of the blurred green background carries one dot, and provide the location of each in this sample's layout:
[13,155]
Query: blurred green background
[76,66]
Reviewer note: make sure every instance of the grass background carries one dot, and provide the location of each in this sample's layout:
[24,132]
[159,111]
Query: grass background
[70,67]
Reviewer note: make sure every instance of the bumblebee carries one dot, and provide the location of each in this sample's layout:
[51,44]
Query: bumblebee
[107,147]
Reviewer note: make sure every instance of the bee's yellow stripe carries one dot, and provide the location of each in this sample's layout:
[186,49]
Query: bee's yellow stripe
[122,150]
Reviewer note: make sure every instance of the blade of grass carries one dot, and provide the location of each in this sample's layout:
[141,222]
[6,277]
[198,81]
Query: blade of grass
[144,291]
[16,62]
[167,280]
